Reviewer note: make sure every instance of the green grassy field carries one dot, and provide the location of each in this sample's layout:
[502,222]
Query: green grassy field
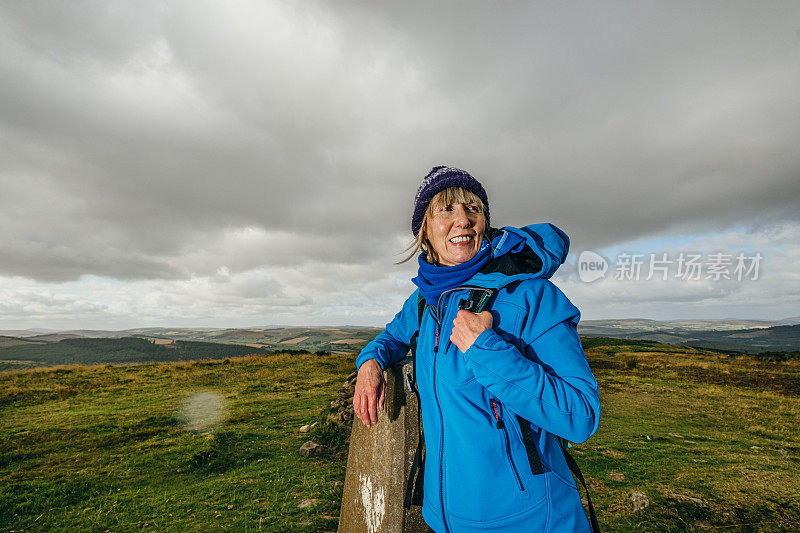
[712,441]
[104,448]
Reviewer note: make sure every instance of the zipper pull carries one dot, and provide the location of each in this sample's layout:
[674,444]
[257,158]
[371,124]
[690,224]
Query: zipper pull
[497,416]
[436,347]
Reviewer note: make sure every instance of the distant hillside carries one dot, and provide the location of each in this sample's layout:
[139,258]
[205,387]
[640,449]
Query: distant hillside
[124,350]
[53,337]
[13,341]
[643,325]
[345,339]
[755,340]
[749,336]
[26,332]
[750,340]
[335,340]
[21,353]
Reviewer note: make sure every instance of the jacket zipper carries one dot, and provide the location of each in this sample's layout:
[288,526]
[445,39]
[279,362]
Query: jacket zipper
[438,316]
[497,409]
[441,418]
[437,311]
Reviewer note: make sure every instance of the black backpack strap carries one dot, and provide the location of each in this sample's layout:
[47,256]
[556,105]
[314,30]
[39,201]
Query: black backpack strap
[420,312]
[573,467]
[417,471]
[529,442]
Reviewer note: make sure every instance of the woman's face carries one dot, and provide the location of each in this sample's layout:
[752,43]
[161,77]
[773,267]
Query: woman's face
[456,232]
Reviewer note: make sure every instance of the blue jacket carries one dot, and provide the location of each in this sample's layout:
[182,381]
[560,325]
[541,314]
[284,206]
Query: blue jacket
[492,415]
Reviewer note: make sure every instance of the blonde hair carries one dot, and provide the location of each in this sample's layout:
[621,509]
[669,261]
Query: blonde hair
[452,195]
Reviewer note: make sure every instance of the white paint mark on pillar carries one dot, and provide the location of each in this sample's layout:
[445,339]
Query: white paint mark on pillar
[374,502]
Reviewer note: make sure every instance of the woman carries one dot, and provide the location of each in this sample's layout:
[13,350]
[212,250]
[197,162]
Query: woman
[497,388]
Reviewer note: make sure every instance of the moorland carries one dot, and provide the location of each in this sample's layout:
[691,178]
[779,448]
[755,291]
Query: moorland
[710,439]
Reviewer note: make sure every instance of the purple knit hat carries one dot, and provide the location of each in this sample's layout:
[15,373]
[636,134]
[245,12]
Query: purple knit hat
[439,179]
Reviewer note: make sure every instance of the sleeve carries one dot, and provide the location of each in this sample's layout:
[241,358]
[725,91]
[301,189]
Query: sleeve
[393,343]
[549,382]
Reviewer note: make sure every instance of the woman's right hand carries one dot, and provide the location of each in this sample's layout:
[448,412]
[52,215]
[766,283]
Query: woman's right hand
[370,391]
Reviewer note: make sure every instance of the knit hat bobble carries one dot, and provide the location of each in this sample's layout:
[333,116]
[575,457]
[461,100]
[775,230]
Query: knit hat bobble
[439,179]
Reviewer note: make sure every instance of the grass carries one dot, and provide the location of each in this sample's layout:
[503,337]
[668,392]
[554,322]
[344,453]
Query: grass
[104,448]
[711,440]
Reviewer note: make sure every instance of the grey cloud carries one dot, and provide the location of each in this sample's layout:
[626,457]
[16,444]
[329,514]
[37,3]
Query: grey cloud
[37,304]
[137,138]
[624,119]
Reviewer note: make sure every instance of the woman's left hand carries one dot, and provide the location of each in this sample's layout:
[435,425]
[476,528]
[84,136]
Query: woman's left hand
[467,326]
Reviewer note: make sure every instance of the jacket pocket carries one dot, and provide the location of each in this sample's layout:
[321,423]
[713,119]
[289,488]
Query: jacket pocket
[486,480]
[497,411]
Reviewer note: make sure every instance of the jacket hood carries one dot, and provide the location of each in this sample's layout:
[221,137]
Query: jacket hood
[534,251]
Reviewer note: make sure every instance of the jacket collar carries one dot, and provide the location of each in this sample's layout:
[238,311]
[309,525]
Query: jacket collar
[534,251]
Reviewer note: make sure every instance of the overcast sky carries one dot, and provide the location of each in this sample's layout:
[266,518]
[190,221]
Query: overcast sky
[251,163]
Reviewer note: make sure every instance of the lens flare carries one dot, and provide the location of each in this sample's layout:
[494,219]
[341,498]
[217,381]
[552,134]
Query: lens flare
[202,412]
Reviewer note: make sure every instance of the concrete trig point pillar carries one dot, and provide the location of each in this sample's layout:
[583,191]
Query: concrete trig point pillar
[378,464]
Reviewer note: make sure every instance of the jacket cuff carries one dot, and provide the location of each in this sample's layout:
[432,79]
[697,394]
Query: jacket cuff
[487,340]
[360,360]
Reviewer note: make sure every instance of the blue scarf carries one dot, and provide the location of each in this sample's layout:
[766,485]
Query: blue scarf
[433,280]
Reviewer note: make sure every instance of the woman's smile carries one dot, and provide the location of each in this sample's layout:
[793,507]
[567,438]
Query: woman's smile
[462,240]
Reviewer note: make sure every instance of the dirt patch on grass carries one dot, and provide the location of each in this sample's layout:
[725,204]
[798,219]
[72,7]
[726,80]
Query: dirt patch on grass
[164,341]
[295,340]
[348,341]
[602,364]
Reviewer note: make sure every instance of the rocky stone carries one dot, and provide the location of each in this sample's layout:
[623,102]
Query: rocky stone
[342,407]
[617,476]
[308,503]
[652,437]
[640,501]
[378,465]
[347,390]
[312,449]
[308,427]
